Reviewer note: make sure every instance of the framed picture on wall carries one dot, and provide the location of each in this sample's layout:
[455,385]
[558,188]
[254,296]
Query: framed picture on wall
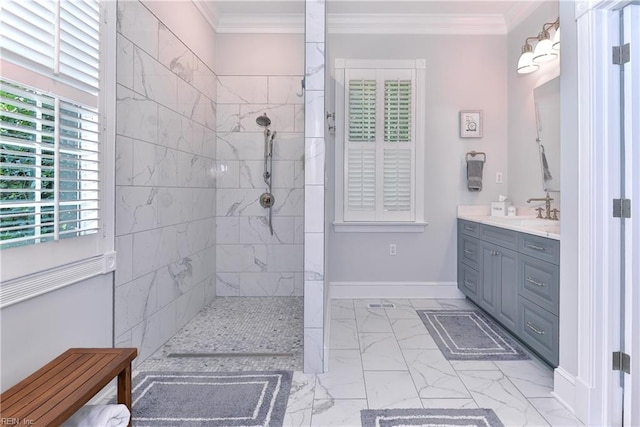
[471,124]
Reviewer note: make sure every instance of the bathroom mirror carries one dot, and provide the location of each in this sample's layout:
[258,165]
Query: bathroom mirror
[547,107]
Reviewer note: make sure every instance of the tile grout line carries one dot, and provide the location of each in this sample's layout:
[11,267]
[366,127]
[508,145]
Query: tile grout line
[413,381]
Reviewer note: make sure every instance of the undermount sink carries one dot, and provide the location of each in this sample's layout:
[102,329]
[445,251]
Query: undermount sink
[525,221]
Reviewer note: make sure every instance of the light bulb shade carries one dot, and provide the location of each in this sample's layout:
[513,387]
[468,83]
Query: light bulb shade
[556,40]
[544,52]
[526,64]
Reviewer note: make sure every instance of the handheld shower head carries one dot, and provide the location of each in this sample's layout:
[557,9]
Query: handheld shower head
[263,120]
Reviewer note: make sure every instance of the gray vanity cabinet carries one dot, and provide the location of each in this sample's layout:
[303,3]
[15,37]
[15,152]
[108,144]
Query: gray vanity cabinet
[539,303]
[499,272]
[506,276]
[514,277]
[469,256]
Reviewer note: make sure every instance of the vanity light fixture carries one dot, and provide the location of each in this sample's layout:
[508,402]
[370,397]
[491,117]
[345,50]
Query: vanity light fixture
[525,63]
[545,49]
[556,37]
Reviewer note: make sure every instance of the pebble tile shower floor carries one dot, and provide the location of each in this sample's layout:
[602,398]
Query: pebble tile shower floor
[237,325]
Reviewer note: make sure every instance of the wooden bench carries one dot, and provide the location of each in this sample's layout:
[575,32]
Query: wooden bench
[56,391]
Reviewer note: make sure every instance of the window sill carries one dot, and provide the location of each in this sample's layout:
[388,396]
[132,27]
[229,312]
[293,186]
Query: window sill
[379,227]
[24,288]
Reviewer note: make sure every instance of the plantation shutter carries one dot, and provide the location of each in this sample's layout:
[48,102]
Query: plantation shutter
[398,150]
[361,148]
[49,121]
[379,145]
[59,40]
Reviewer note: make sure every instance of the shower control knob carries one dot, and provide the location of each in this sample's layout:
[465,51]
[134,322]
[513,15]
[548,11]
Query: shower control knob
[266,200]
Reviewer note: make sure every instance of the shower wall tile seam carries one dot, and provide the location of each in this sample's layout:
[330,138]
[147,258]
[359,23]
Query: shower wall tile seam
[134,139]
[177,91]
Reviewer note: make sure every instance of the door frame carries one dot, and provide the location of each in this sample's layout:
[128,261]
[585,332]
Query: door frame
[632,191]
[597,398]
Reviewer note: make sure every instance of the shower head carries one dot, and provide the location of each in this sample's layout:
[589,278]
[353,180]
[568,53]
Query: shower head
[263,120]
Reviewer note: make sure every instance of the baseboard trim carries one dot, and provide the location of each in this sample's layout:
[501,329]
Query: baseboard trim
[564,385]
[343,290]
[584,408]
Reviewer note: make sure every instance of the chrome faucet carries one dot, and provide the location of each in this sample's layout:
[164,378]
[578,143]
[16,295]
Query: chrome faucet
[547,201]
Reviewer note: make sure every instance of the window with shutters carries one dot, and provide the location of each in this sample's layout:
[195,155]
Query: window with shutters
[54,141]
[379,143]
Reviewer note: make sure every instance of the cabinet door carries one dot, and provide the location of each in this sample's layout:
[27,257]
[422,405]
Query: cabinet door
[507,292]
[489,274]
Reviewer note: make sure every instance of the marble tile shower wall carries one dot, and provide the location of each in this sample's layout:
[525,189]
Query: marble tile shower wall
[315,292]
[251,261]
[165,193]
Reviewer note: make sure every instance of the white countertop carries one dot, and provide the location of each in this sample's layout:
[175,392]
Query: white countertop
[524,222]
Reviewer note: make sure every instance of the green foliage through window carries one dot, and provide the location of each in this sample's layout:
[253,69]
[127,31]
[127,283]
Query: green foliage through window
[28,157]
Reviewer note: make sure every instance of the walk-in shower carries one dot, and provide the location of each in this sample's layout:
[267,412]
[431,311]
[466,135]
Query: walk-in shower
[266,199]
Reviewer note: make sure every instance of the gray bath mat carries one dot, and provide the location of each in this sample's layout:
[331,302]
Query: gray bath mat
[429,417]
[210,398]
[470,335]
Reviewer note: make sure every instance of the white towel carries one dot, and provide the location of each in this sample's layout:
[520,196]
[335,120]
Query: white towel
[99,416]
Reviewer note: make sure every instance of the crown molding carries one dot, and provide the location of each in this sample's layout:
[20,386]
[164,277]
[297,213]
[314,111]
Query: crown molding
[365,24]
[261,23]
[209,14]
[415,24]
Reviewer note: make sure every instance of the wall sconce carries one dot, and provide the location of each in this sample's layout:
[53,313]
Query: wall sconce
[525,63]
[556,36]
[545,50]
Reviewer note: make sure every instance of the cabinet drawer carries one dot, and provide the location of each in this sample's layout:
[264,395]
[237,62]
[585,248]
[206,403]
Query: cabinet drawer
[539,282]
[540,247]
[468,281]
[539,329]
[499,236]
[469,228]
[469,248]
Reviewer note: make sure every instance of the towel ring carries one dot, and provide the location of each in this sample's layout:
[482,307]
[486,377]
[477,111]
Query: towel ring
[474,154]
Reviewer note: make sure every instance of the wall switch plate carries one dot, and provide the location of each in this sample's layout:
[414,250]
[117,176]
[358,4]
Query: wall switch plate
[498,177]
[392,249]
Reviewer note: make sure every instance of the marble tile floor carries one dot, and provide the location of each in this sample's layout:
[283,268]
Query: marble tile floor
[384,358]
[379,358]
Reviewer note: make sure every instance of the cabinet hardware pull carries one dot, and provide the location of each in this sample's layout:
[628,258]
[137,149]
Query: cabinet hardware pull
[530,280]
[537,248]
[468,283]
[467,251]
[468,227]
[530,326]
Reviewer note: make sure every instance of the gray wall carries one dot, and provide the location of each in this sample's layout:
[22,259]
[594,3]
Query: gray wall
[525,174]
[569,186]
[165,192]
[463,72]
[35,331]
